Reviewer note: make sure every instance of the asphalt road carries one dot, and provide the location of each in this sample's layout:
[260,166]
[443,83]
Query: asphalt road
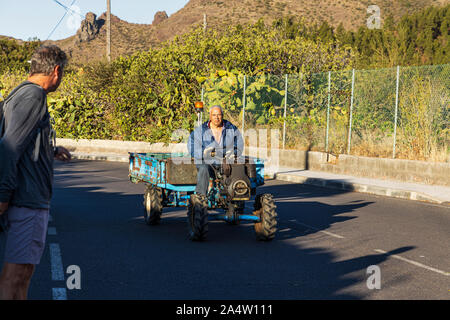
[326,242]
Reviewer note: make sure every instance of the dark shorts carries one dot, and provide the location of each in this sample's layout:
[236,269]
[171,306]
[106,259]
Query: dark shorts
[26,233]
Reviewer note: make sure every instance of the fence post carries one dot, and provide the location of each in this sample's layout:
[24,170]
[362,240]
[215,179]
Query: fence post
[396,111]
[243,104]
[328,110]
[285,105]
[351,114]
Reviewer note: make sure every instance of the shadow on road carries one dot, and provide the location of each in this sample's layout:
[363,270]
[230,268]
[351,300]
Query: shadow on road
[101,229]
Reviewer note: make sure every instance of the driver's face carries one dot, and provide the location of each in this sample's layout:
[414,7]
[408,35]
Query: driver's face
[215,116]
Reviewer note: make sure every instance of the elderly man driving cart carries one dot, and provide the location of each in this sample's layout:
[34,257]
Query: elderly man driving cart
[217,149]
[212,142]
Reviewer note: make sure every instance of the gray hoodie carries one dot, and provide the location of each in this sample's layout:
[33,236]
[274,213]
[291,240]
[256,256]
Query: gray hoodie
[26,178]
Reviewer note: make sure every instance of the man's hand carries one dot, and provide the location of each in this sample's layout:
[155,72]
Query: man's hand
[62,154]
[3,207]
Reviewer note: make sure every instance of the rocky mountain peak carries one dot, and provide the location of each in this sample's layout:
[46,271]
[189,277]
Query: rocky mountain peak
[89,28]
[160,16]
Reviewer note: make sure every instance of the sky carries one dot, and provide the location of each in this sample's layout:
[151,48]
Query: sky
[25,19]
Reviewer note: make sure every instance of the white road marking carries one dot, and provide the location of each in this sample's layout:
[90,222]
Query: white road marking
[56,262]
[56,265]
[414,263]
[316,229]
[289,199]
[94,175]
[59,293]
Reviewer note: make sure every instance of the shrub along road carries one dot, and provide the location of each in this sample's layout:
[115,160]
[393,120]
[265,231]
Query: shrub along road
[326,242]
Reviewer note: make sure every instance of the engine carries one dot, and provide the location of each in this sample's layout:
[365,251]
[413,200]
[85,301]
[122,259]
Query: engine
[235,179]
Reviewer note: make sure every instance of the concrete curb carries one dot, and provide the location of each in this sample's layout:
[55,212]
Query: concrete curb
[319,182]
[100,157]
[357,187]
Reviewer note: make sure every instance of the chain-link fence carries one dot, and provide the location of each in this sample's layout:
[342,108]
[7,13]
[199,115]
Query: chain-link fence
[398,112]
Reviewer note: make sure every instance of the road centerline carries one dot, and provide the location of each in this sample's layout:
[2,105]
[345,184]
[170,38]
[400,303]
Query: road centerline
[56,262]
[317,229]
[418,264]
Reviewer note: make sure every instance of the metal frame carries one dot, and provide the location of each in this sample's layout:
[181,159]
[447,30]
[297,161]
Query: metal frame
[150,168]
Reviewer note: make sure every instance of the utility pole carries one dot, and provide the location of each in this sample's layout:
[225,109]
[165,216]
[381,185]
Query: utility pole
[108,30]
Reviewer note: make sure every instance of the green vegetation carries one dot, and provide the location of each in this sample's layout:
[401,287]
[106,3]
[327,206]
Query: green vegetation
[15,56]
[148,95]
[422,38]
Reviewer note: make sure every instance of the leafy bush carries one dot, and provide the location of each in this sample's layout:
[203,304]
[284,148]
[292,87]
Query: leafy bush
[15,56]
[150,94]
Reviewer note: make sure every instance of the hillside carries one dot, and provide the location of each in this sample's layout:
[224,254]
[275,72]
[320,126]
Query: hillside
[351,13]
[128,38]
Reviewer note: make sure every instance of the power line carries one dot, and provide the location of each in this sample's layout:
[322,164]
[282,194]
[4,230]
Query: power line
[68,9]
[59,22]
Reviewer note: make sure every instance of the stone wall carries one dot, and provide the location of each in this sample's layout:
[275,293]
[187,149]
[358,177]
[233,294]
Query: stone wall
[437,173]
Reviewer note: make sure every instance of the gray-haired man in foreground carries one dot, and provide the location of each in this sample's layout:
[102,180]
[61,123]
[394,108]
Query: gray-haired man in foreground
[26,170]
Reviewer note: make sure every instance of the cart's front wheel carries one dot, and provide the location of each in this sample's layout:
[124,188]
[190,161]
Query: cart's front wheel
[265,209]
[197,217]
[152,205]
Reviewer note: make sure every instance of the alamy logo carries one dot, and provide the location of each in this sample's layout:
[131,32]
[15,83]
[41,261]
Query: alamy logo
[374,21]
[262,143]
[74,280]
[374,279]
[74,20]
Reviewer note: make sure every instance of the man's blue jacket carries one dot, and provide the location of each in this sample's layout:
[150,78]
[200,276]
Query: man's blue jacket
[26,180]
[202,138]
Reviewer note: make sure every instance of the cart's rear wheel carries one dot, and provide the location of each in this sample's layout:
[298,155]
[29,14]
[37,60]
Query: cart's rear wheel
[152,205]
[197,217]
[265,209]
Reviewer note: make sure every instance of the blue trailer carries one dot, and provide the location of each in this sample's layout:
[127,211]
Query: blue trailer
[171,180]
